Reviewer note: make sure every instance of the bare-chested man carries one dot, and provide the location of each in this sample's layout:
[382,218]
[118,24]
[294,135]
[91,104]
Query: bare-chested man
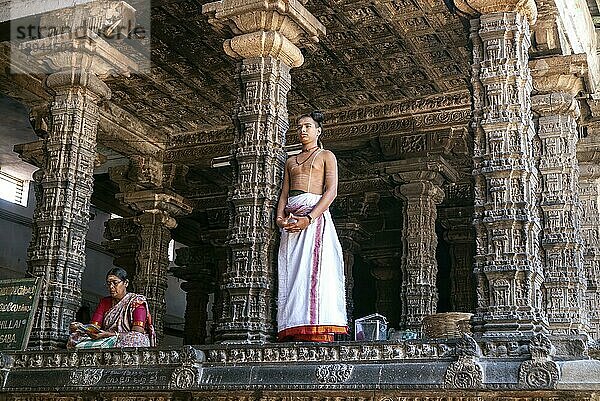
[311,302]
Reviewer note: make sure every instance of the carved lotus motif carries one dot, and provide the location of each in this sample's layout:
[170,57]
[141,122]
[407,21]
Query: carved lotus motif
[184,378]
[464,374]
[538,375]
[334,374]
[86,377]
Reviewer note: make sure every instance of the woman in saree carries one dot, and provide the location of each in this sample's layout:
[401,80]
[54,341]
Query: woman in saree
[120,320]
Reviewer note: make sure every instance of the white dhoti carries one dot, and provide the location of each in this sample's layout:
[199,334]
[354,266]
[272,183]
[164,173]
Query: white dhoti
[311,300]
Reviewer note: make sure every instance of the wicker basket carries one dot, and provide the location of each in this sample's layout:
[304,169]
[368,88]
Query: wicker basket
[447,325]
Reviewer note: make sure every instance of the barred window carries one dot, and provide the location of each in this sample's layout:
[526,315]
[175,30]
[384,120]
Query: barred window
[172,251]
[13,189]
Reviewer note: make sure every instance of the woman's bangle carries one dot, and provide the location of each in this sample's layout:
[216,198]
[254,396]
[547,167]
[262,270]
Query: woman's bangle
[279,218]
[309,219]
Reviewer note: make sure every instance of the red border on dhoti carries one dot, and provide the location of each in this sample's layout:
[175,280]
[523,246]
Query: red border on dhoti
[311,333]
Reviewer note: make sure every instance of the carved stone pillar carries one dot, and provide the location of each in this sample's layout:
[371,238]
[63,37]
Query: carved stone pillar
[589,196]
[564,276]
[385,269]
[121,236]
[350,236]
[421,194]
[60,222]
[507,263]
[266,52]
[157,210]
[197,265]
[460,235]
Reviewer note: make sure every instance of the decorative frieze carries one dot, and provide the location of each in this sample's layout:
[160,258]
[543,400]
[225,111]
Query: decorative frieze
[507,225]
[342,353]
[265,46]
[105,359]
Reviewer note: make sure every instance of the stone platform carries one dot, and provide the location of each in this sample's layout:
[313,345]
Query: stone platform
[385,371]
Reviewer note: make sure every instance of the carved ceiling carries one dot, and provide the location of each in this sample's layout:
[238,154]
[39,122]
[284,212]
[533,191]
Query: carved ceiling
[375,53]
[386,70]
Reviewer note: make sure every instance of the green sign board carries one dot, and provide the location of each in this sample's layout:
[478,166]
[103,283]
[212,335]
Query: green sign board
[18,302]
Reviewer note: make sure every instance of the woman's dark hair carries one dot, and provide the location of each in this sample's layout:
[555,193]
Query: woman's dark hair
[119,272]
[319,117]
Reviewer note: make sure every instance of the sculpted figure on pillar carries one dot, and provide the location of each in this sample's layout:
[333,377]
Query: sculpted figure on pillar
[508,267]
[589,184]
[266,35]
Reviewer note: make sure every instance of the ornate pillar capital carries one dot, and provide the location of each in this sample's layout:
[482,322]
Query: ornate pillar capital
[87,52]
[559,74]
[434,169]
[265,28]
[164,201]
[478,7]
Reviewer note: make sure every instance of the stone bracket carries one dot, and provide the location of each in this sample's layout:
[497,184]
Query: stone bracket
[560,74]
[163,201]
[425,168]
[289,17]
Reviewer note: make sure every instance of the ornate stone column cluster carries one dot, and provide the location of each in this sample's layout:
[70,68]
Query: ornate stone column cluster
[507,262]
[420,189]
[589,196]
[556,81]
[144,185]
[64,183]
[265,45]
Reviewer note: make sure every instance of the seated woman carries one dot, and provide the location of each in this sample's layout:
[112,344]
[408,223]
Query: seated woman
[121,320]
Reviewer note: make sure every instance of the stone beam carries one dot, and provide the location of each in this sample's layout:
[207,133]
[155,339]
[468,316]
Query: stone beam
[567,74]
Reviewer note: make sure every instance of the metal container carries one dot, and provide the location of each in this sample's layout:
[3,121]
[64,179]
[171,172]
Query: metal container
[371,328]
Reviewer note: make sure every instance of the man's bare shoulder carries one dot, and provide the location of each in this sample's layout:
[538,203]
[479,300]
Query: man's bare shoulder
[328,155]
